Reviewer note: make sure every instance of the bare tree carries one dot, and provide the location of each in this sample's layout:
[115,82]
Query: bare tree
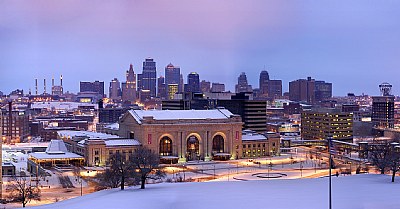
[22,190]
[386,157]
[379,155]
[394,160]
[118,173]
[145,163]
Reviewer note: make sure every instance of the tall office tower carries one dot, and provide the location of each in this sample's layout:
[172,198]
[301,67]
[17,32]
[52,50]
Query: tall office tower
[323,90]
[205,86]
[139,82]
[383,108]
[263,84]
[149,76]
[193,84]
[302,90]
[97,86]
[172,90]
[161,88]
[172,75]
[218,87]
[114,90]
[242,85]
[129,87]
[181,85]
[275,88]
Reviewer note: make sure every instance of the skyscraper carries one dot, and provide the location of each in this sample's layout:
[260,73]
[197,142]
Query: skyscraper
[115,90]
[149,76]
[263,83]
[323,90]
[274,88]
[193,84]
[172,75]
[129,87]
[205,86]
[161,88]
[383,108]
[243,85]
[302,90]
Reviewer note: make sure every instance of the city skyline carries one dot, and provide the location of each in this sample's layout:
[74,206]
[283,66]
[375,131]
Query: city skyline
[350,44]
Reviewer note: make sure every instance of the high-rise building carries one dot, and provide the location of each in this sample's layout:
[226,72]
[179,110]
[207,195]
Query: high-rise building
[274,88]
[172,90]
[139,82]
[205,86]
[181,84]
[193,84]
[302,90]
[161,88]
[97,87]
[218,87]
[243,85]
[129,87]
[323,90]
[172,75]
[115,90]
[383,108]
[149,76]
[263,83]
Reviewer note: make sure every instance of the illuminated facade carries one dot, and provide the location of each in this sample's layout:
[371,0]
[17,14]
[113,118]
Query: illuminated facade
[185,135]
[129,87]
[318,124]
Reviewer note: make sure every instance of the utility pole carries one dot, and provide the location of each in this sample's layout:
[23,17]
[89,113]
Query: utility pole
[330,171]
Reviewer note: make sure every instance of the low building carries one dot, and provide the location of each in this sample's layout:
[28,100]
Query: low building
[96,148]
[56,154]
[255,145]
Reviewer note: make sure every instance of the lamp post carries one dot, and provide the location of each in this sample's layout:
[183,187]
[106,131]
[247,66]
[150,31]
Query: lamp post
[214,170]
[184,176]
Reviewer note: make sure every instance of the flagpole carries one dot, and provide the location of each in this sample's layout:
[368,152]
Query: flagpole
[330,171]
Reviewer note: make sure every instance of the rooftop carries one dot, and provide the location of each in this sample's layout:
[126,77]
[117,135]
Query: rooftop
[180,114]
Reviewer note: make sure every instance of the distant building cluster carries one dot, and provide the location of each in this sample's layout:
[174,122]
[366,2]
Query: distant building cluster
[192,120]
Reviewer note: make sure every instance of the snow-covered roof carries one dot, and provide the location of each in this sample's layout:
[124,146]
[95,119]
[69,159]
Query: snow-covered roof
[122,142]
[56,147]
[86,134]
[55,150]
[113,126]
[180,114]
[46,156]
[61,105]
[253,137]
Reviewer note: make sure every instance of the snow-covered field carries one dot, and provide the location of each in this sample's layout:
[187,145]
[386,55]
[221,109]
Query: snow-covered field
[367,191]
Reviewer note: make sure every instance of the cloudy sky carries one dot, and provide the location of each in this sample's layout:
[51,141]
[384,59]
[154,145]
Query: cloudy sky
[353,44]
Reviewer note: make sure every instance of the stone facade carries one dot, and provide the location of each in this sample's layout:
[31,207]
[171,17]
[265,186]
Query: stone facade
[185,139]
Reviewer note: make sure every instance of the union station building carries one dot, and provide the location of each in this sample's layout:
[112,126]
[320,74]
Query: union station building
[185,135]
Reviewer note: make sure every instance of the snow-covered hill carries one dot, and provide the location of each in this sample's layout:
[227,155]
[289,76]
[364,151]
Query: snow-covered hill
[351,192]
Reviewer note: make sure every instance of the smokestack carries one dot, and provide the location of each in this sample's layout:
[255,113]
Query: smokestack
[52,82]
[61,80]
[44,87]
[36,86]
[9,121]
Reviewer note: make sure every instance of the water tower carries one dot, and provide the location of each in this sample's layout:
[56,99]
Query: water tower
[385,88]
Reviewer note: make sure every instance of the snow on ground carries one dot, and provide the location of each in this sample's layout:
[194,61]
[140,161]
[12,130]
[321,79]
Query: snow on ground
[355,192]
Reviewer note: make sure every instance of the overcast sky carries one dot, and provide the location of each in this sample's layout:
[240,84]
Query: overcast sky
[353,44]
